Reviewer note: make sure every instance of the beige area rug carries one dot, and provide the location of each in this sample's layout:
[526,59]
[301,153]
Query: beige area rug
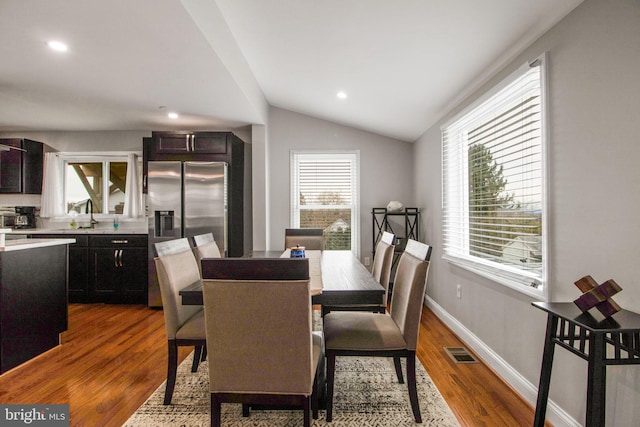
[366,393]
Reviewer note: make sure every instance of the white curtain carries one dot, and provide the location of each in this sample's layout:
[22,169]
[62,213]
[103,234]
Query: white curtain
[52,188]
[133,207]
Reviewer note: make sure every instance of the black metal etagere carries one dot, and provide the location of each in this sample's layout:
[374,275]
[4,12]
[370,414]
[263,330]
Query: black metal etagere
[404,224]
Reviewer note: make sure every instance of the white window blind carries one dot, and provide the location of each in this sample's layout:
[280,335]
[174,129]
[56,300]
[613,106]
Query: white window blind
[324,194]
[493,182]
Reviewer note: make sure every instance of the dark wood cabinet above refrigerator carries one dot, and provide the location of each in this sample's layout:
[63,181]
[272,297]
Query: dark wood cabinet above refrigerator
[191,143]
[21,167]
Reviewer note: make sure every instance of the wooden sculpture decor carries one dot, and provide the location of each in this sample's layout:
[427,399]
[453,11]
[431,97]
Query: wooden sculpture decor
[598,296]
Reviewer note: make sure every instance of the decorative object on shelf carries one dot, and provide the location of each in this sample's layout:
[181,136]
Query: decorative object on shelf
[297,252]
[598,296]
[395,206]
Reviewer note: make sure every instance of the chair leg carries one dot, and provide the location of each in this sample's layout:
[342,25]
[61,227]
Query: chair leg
[215,412]
[245,409]
[331,369]
[396,363]
[204,353]
[314,396]
[411,383]
[172,367]
[307,412]
[197,352]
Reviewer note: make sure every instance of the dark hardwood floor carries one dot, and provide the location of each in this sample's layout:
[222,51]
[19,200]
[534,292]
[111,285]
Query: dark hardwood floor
[114,356]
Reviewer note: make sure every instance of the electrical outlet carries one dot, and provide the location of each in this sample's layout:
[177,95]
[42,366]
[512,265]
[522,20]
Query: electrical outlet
[459,291]
[367,261]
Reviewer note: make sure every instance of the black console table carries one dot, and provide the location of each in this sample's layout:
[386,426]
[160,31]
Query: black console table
[589,338]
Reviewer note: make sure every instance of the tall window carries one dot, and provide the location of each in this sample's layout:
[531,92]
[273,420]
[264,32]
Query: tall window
[493,183]
[324,194]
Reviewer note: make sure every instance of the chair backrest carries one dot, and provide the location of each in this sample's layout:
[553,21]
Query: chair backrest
[177,268]
[259,337]
[205,247]
[169,247]
[387,237]
[310,238]
[383,260]
[409,287]
[418,249]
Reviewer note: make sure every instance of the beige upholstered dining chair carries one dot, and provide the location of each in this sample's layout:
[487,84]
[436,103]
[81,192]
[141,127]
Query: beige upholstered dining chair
[184,324]
[386,335]
[261,348]
[205,246]
[382,262]
[381,271]
[310,238]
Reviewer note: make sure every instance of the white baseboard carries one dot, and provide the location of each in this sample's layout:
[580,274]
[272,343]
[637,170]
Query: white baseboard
[556,415]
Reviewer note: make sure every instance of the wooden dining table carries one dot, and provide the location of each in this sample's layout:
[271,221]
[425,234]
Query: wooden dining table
[337,278]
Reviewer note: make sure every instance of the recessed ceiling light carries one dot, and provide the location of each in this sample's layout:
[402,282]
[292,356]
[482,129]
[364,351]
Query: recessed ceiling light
[341,95]
[172,115]
[58,46]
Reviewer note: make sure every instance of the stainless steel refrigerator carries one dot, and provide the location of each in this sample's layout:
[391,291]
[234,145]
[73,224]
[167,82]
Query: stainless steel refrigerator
[184,199]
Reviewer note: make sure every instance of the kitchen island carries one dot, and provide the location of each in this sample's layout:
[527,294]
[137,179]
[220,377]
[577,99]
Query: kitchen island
[33,298]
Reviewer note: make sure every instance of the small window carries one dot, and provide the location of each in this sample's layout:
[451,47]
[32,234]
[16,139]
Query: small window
[99,180]
[493,183]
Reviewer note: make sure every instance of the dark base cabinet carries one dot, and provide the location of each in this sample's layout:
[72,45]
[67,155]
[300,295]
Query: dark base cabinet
[119,268]
[79,269]
[107,268]
[33,303]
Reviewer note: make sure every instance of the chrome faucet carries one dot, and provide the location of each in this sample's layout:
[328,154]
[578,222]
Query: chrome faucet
[89,209]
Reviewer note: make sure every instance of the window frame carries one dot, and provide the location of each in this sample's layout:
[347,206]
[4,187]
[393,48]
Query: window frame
[354,157]
[512,278]
[94,157]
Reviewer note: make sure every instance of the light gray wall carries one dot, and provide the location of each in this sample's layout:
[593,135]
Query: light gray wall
[85,141]
[386,167]
[594,123]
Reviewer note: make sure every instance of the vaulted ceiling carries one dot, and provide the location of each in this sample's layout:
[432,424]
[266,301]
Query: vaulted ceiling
[221,63]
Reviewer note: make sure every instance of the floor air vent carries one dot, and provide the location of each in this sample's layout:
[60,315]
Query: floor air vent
[460,355]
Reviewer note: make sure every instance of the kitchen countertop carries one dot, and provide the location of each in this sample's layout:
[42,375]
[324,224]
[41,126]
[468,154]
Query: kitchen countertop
[21,244]
[105,230]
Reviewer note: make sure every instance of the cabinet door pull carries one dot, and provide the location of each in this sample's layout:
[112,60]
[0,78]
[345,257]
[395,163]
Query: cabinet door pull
[120,258]
[193,143]
[186,142]
[121,242]
[115,258]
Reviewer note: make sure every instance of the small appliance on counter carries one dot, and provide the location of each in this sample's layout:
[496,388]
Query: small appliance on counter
[25,217]
[7,219]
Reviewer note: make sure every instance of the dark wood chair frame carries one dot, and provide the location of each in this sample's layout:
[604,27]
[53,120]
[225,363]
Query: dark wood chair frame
[396,354]
[199,355]
[309,404]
